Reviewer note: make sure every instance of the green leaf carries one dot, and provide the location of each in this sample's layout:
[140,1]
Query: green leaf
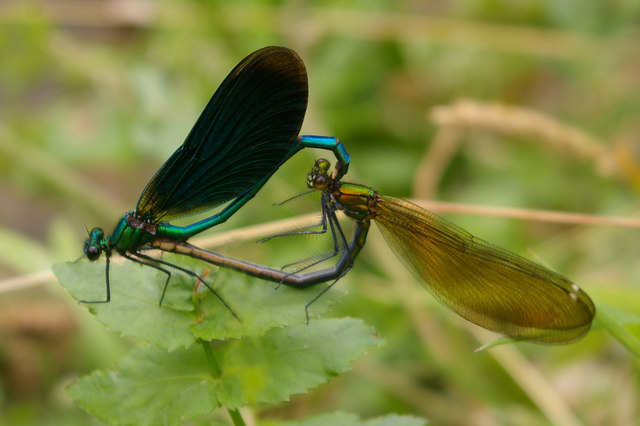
[260,305]
[136,291]
[135,294]
[291,360]
[150,386]
[177,385]
[340,419]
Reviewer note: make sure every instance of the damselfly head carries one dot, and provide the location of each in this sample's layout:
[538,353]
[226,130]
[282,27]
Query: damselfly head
[93,244]
[318,178]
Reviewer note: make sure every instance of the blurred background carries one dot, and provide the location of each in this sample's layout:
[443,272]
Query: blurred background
[527,104]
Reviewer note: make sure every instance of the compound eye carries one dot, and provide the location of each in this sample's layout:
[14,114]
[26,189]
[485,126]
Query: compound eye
[320,181]
[92,252]
[323,165]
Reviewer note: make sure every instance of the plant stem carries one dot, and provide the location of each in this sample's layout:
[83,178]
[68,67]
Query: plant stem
[214,368]
[216,373]
[236,417]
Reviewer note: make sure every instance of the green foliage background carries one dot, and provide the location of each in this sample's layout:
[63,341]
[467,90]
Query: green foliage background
[95,96]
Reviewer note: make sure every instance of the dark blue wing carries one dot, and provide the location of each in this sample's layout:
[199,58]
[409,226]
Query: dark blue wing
[246,131]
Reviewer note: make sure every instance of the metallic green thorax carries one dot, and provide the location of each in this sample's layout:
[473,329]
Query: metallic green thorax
[129,234]
[357,201]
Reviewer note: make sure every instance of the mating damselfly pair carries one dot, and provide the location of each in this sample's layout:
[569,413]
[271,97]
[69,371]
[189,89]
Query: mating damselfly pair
[249,128]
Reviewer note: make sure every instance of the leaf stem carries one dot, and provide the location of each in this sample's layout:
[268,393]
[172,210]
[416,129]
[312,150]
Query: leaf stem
[216,373]
[214,368]
[236,417]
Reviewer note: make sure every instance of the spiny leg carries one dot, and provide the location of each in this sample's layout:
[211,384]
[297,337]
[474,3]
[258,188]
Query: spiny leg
[324,290]
[360,235]
[327,215]
[309,262]
[106,280]
[305,230]
[334,224]
[301,194]
[153,263]
[150,260]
